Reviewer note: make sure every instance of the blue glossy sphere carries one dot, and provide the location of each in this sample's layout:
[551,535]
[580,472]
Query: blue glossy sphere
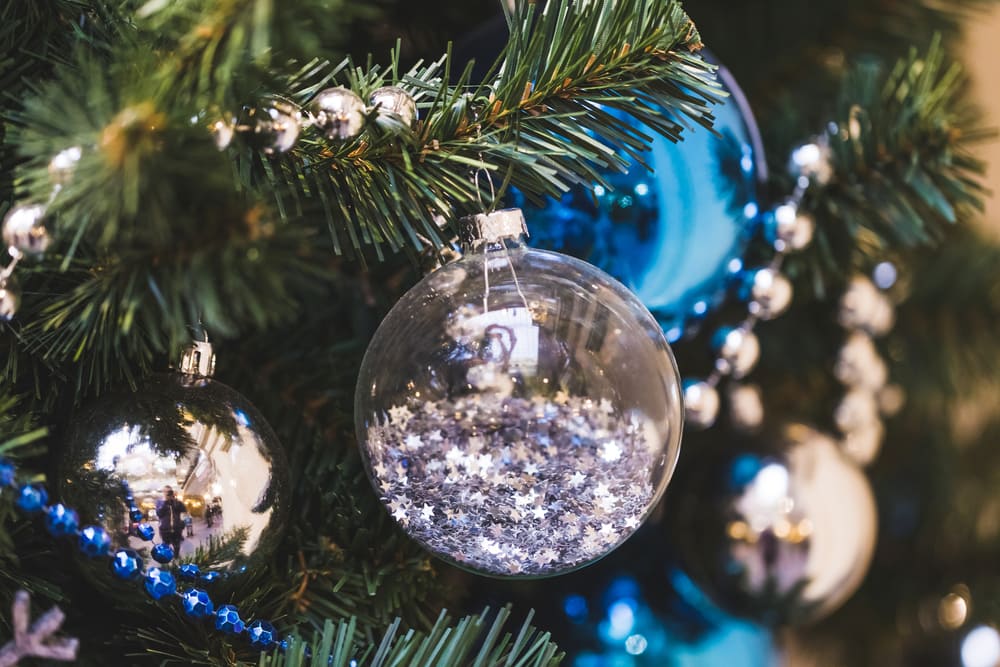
[196,603]
[136,514]
[227,619]
[671,234]
[262,635]
[189,571]
[126,564]
[94,541]
[31,498]
[61,520]
[8,474]
[145,531]
[160,583]
[210,576]
[162,553]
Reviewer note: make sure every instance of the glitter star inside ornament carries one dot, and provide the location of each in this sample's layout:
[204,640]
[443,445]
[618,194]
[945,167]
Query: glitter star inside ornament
[519,410]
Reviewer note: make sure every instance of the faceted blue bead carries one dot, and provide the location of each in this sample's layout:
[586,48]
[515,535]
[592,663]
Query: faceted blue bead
[126,564]
[210,576]
[7,473]
[61,520]
[94,541]
[227,619]
[32,498]
[162,553]
[262,635]
[145,531]
[136,514]
[197,603]
[160,583]
[189,571]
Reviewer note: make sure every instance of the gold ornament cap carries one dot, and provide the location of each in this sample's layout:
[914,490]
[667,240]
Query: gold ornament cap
[198,359]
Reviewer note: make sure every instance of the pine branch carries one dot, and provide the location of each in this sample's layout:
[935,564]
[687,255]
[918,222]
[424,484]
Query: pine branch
[903,170]
[472,641]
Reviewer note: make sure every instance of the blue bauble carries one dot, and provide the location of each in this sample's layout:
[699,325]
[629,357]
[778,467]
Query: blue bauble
[673,236]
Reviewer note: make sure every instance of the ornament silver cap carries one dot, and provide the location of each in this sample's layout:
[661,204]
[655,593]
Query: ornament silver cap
[507,223]
[198,359]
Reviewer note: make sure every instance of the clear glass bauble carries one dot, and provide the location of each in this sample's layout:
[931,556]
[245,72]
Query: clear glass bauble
[200,438]
[674,226]
[519,412]
[780,530]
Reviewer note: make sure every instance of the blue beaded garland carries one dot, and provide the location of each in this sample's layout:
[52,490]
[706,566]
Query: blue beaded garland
[61,520]
[145,531]
[160,583]
[262,635]
[136,514]
[189,571]
[162,553]
[126,564]
[94,541]
[196,603]
[31,498]
[7,473]
[227,619]
[209,577]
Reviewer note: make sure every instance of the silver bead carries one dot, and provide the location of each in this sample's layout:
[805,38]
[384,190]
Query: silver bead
[24,229]
[62,166]
[395,103]
[789,229]
[863,445]
[812,162]
[769,293]
[272,128]
[738,351]
[857,410]
[864,307]
[746,407]
[339,113]
[860,365]
[701,404]
[10,300]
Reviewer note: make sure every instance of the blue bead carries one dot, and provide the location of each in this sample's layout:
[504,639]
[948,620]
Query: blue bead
[163,553]
[136,514]
[94,541]
[126,564]
[32,498]
[61,521]
[160,583]
[189,571]
[227,619]
[196,603]
[7,473]
[262,635]
[145,531]
[210,576]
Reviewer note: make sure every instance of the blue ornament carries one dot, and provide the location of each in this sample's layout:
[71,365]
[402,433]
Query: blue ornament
[189,571]
[227,619]
[196,603]
[31,498]
[61,520]
[145,531]
[160,583]
[670,235]
[136,514]
[126,564]
[7,473]
[94,541]
[210,577]
[162,553]
[262,635]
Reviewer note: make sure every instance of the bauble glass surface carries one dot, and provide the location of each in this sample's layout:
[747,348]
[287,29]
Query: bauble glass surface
[519,410]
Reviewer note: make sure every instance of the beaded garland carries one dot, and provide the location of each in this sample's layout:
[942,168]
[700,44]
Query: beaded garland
[159,582]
